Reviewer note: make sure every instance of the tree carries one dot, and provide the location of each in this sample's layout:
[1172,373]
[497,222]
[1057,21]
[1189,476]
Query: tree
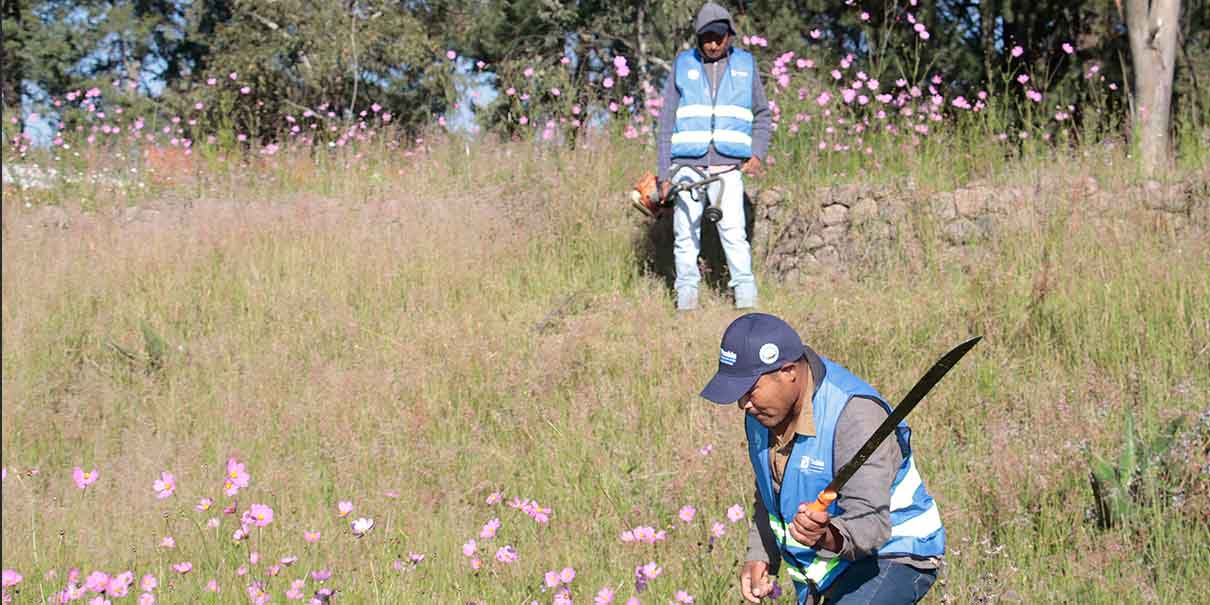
[1152,27]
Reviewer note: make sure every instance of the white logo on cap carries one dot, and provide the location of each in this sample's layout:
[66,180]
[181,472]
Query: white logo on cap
[769,352]
[693,74]
[726,357]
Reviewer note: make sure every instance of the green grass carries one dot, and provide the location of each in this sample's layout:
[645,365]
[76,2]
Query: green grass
[474,322]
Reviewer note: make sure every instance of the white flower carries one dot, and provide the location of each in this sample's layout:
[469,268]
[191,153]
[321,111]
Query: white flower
[361,526]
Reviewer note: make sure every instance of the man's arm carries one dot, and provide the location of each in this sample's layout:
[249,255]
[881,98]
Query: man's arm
[865,524]
[762,119]
[762,546]
[672,99]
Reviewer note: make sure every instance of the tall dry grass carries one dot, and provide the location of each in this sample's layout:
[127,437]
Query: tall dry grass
[476,321]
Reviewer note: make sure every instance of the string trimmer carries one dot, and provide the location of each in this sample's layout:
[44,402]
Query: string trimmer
[645,196]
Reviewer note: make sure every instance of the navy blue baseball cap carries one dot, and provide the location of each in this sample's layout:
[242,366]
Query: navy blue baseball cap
[754,344]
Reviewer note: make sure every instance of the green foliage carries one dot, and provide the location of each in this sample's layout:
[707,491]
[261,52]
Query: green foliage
[1123,492]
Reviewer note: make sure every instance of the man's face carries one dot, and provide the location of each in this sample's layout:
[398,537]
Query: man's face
[714,45]
[772,399]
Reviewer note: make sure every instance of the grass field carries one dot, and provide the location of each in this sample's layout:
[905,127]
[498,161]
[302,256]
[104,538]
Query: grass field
[413,337]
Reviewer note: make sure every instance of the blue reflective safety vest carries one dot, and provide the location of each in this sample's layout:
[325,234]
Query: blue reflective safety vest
[916,529]
[724,119]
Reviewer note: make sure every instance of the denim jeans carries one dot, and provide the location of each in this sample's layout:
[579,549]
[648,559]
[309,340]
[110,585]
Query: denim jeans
[687,232]
[879,582]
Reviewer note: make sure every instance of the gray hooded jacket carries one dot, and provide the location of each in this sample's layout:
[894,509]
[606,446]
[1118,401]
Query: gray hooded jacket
[761,118]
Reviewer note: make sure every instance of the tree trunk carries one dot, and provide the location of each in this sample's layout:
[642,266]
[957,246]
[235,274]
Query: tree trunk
[1153,28]
[987,39]
[641,35]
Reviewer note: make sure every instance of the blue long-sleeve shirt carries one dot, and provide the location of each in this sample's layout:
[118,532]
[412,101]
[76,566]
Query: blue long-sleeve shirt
[761,122]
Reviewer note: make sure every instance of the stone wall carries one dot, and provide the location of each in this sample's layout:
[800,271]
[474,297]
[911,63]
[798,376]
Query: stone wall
[833,228]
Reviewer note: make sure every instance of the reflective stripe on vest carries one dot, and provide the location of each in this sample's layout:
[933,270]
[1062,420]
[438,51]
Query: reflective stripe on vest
[703,118]
[916,528]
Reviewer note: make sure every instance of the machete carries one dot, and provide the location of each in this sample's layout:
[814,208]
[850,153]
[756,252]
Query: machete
[926,383]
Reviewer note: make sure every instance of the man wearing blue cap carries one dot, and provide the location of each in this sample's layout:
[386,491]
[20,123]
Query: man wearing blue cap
[715,122]
[882,541]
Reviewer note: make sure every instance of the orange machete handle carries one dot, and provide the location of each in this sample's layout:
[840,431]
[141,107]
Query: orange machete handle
[821,503]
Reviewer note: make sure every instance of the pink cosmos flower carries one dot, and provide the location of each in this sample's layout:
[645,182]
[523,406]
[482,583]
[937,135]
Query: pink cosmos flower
[148,583]
[260,515]
[1068,48]
[237,477]
[528,73]
[11,578]
[343,508]
[362,526]
[183,567]
[167,542]
[233,75]
[717,530]
[147,599]
[212,522]
[607,82]
[84,479]
[551,579]
[451,55]
[683,597]
[321,575]
[476,564]
[1017,51]
[96,581]
[468,549]
[164,486]
[489,529]
[735,513]
[288,561]
[604,597]
[506,554]
[686,513]
[495,497]
[567,575]
[212,586]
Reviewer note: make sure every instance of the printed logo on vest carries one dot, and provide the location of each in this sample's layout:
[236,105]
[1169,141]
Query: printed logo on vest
[811,465]
[693,74]
[735,73]
[726,357]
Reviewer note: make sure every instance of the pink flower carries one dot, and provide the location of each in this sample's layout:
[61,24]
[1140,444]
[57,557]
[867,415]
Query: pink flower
[237,477]
[565,60]
[343,508]
[148,583]
[495,497]
[211,81]
[321,575]
[523,120]
[1023,78]
[552,579]
[815,34]
[183,567]
[613,106]
[362,526]
[1068,48]
[212,585]
[167,542]
[84,479]
[233,75]
[567,575]
[735,513]
[164,486]
[260,515]
[717,530]
[528,73]
[147,599]
[604,597]
[683,597]
[607,82]
[203,505]
[11,578]
[451,55]
[1017,51]
[823,98]
[506,554]
[555,92]
[468,549]
[686,513]
[489,529]
[865,16]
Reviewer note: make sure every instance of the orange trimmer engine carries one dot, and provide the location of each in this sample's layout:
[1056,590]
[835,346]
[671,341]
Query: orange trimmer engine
[646,196]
